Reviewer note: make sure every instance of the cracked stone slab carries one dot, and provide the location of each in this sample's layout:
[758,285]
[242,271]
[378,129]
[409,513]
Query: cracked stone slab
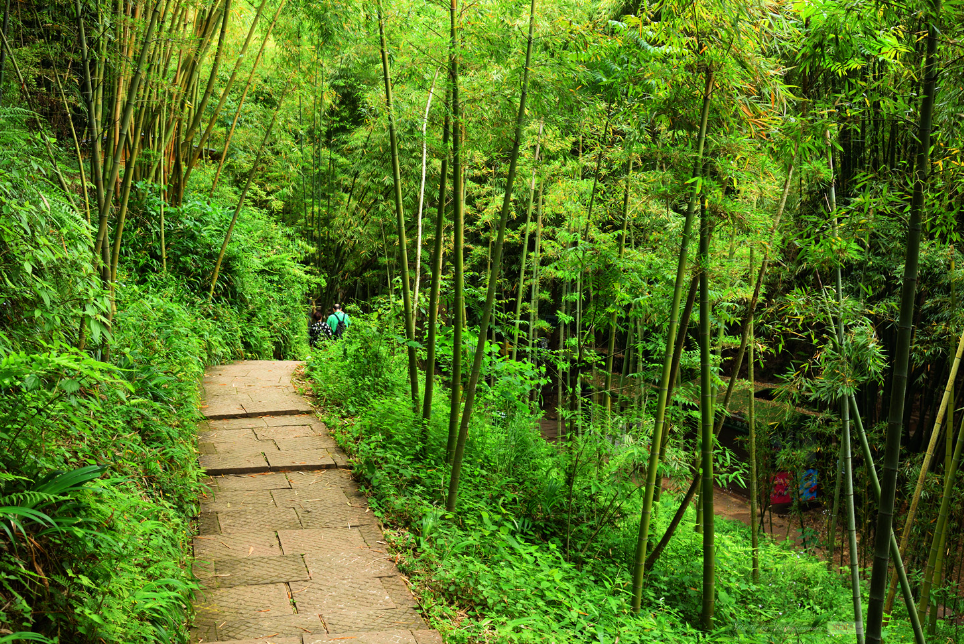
[357,562]
[206,448]
[260,628]
[265,481]
[278,405]
[300,542]
[310,459]
[351,593]
[385,619]
[245,447]
[215,464]
[253,571]
[286,432]
[398,591]
[258,520]
[427,637]
[227,546]
[237,500]
[372,637]
[240,602]
[313,441]
[320,514]
[222,408]
[299,496]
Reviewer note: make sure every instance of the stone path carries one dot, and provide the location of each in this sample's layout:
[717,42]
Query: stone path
[288,551]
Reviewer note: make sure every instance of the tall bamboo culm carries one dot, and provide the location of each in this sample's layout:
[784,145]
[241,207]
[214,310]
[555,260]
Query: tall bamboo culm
[458,243]
[493,277]
[664,383]
[888,487]
[399,215]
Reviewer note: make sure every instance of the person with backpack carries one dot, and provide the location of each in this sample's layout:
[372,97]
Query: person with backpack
[318,330]
[338,321]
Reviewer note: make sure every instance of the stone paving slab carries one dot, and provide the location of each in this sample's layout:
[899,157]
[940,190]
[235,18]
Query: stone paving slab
[328,478]
[398,591]
[237,423]
[386,619]
[296,497]
[260,519]
[320,514]
[372,534]
[228,546]
[215,464]
[276,405]
[282,553]
[253,571]
[219,604]
[245,447]
[301,542]
[309,459]
[427,637]
[271,640]
[238,500]
[285,432]
[297,419]
[228,435]
[314,441]
[260,627]
[207,523]
[383,637]
[266,481]
[353,593]
[358,562]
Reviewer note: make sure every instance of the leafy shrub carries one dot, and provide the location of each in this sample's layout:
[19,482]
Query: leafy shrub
[105,558]
[541,544]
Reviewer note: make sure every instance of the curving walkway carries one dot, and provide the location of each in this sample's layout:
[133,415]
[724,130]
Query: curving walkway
[287,548]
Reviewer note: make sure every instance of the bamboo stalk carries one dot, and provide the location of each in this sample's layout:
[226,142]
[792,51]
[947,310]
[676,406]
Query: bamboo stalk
[493,276]
[707,438]
[613,317]
[421,199]
[436,273]
[888,489]
[400,216]
[525,247]
[653,465]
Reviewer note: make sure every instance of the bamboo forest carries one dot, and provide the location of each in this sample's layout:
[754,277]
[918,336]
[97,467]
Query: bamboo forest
[464,321]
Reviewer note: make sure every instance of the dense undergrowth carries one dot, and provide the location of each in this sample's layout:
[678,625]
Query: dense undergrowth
[540,546]
[98,468]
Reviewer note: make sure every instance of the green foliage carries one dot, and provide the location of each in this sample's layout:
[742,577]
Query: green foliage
[98,466]
[540,547]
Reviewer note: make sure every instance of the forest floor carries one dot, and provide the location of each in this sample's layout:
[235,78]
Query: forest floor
[287,547]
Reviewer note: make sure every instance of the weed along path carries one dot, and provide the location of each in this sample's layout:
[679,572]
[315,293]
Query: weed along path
[288,551]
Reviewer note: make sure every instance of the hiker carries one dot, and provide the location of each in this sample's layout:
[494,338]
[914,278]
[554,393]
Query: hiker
[338,321]
[318,330]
